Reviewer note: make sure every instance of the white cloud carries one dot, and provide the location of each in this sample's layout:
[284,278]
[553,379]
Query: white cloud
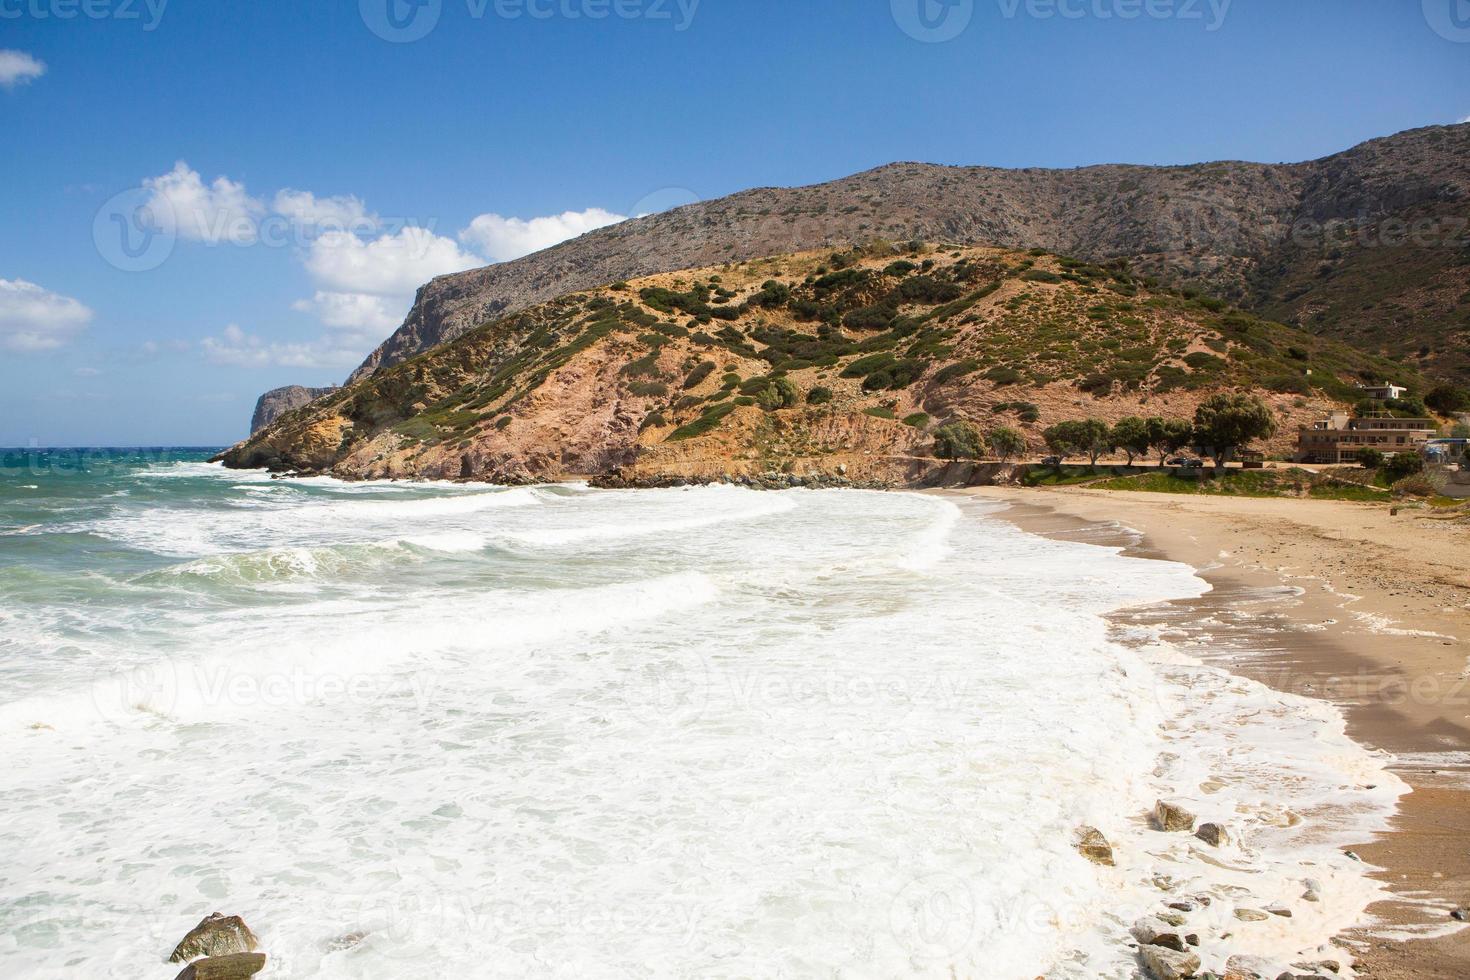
[86,372]
[319,214]
[353,311]
[389,265]
[364,276]
[32,318]
[19,68]
[215,213]
[503,239]
[236,348]
[1465,120]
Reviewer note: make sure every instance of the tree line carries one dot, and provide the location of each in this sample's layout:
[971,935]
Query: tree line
[1222,426]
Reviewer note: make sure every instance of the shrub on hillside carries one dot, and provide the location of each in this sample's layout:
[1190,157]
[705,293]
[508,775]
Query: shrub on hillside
[780,393]
[1417,485]
[819,396]
[701,371]
[1448,399]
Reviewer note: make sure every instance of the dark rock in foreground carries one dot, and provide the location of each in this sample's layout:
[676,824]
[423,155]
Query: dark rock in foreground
[216,935]
[236,966]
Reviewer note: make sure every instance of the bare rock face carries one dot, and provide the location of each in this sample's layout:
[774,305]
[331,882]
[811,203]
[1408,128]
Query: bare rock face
[273,404]
[1172,818]
[1259,235]
[1092,845]
[235,966]
[216,935]
[1168,964]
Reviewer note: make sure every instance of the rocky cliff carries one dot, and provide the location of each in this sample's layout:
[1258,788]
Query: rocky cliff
[273,404]
[1370,246]
[818,365]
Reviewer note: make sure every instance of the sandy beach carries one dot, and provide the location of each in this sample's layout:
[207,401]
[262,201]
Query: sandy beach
[1336,601]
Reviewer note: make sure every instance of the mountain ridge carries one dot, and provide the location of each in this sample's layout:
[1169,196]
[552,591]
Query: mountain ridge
[1269,237]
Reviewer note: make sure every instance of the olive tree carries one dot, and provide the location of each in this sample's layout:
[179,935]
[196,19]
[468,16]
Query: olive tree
[1006,443]
[1131,435]
[1168,436]
[1227,422]
[957,440]
[1085,437]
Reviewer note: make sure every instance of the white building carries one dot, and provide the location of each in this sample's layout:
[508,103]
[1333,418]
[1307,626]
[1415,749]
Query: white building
[1386,392]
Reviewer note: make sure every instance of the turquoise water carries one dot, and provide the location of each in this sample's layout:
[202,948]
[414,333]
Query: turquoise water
[409,730]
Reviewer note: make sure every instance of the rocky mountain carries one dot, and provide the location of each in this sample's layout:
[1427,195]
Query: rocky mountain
[819,365]
[273,404]
[1369,246]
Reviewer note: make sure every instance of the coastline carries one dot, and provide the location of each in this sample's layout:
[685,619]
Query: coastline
[1336,602]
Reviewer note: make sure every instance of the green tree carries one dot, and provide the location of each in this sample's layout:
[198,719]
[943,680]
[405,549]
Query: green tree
[957,440]
[1400,465]
[1087,437]
[1370,458]
[1227,422]
[1062,439]
[1097,439]
[1168,436]
[1006,443]
[1132,436]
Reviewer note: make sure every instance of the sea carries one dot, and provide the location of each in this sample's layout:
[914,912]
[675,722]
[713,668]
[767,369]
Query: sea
[416,729]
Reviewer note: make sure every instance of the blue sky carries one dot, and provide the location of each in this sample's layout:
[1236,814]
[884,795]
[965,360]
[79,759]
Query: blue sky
[304,165]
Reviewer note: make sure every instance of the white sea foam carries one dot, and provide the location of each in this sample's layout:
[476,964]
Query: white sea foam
[675,733]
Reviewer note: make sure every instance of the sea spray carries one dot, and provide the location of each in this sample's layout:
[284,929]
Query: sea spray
[596,733]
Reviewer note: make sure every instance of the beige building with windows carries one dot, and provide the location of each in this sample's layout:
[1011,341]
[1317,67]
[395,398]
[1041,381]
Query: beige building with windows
[1340,437]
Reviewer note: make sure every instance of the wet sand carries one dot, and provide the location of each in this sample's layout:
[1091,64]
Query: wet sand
[1341,602]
